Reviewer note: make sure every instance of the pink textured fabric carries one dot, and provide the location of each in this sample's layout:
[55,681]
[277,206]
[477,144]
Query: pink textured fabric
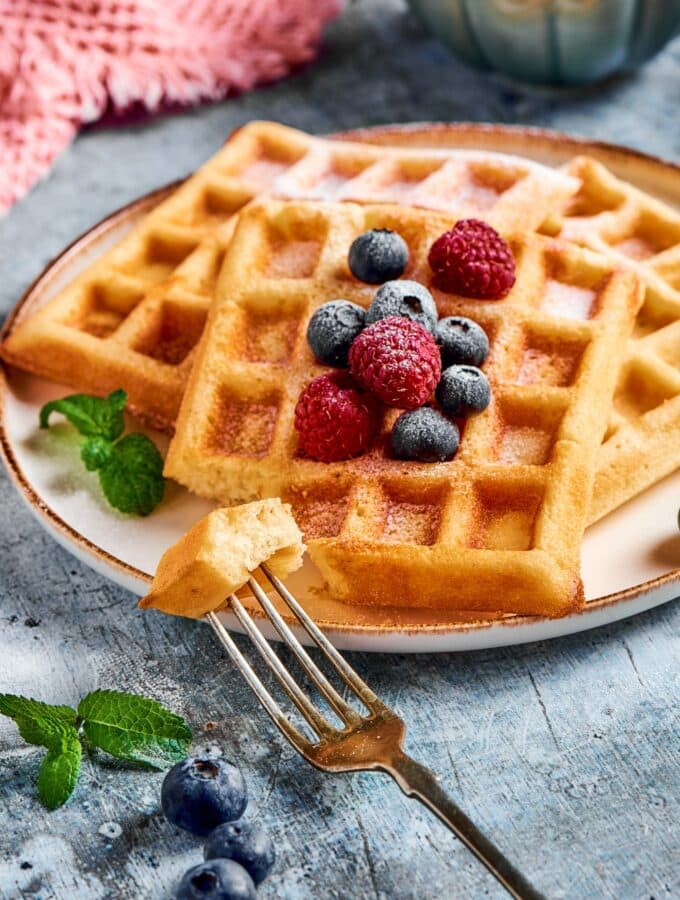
[66,62]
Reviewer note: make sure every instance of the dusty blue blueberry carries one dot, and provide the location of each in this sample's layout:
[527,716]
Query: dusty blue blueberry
[424,435]
[463,391]
[378,255]
[200,793]
[404,298]
[332,329]
[218,879]
[245,843]
[462,342]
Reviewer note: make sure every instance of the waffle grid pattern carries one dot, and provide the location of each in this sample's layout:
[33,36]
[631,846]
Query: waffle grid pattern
[503,521]
[133,318]
[642,444]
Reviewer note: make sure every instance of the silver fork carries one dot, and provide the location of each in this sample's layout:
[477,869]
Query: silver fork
[367,742]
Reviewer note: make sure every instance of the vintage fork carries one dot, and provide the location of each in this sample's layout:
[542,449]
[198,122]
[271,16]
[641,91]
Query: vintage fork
[366,742]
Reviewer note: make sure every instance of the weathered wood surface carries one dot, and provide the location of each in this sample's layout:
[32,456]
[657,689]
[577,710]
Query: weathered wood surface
[567,752]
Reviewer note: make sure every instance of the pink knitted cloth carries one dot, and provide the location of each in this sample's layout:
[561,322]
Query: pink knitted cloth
[66,62]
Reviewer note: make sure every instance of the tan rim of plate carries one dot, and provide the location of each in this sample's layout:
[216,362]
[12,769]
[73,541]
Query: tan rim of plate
[547,146]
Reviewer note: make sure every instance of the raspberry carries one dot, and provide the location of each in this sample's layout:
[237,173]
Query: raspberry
[333,419]
[397,360]
[472,260]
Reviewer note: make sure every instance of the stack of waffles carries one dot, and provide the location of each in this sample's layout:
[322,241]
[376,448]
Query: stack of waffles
[200,314]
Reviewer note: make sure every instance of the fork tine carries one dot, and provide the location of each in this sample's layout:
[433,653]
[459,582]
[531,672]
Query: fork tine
[288,683]
[339,704]
[358,685]
[271,707]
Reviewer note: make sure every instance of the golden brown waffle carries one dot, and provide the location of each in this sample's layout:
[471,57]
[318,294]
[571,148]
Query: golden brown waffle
[642,444]
[132,319]
[499,528]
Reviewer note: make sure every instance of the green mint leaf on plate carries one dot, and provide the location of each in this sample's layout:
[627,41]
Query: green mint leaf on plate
[39,723]
[92,416]
[132,478]
[59,770]
[95,452]
[134,728]
[130,468]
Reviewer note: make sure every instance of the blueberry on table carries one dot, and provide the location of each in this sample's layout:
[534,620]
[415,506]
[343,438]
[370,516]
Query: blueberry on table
[424,435]
[217,879]
[201,793]
[378,255]
[463,391]
[245,843]
[332,329]
[461,341]
[405,298]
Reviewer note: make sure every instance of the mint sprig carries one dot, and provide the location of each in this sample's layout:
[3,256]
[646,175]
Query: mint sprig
[92,416]
[130,468]
[133,728]
[130,727]
[39,723]
[59,771]
[132,476]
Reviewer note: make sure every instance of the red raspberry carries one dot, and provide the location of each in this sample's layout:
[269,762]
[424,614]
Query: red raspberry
[472,260]
[398,360]
[333,419]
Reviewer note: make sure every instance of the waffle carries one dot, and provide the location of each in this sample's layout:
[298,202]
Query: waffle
[218,554]
[642,443]
[133,318]
[498,528]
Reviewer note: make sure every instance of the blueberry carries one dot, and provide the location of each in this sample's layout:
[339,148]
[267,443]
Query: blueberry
[463,391]
[200,793]
[218,879]
[378,255]
[462,341]
[245,843]
[332,329]
[425,435]
[404,298]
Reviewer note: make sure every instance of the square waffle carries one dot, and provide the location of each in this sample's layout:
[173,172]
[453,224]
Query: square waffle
[642,443]
[499,527]
[133,318]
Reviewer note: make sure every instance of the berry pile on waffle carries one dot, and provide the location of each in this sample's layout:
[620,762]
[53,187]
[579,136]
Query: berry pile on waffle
[384,338]
[496,525]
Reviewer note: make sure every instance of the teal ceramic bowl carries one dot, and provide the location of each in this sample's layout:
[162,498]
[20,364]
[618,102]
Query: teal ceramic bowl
[552,41]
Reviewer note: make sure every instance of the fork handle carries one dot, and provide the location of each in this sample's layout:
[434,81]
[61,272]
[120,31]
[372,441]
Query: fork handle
[417,781]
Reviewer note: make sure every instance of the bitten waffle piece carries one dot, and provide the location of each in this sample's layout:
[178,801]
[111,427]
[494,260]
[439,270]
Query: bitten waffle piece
[642,444]
[133,318]
[498,528]
[217,556]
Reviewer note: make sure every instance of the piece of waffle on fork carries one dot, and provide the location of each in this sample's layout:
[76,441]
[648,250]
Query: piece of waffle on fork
[642,443]
[132,319]
[496,529]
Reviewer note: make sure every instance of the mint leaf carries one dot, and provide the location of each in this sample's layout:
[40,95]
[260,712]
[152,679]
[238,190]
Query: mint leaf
[95,453]
[54,727]
[92,416]
[132,478]
[39,723]
[134,728]
[59,770]
[130,469]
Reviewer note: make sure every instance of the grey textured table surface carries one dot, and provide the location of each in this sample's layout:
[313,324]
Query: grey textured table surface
[567,751]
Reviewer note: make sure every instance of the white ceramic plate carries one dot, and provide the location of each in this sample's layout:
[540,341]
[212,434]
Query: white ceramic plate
[630,560]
